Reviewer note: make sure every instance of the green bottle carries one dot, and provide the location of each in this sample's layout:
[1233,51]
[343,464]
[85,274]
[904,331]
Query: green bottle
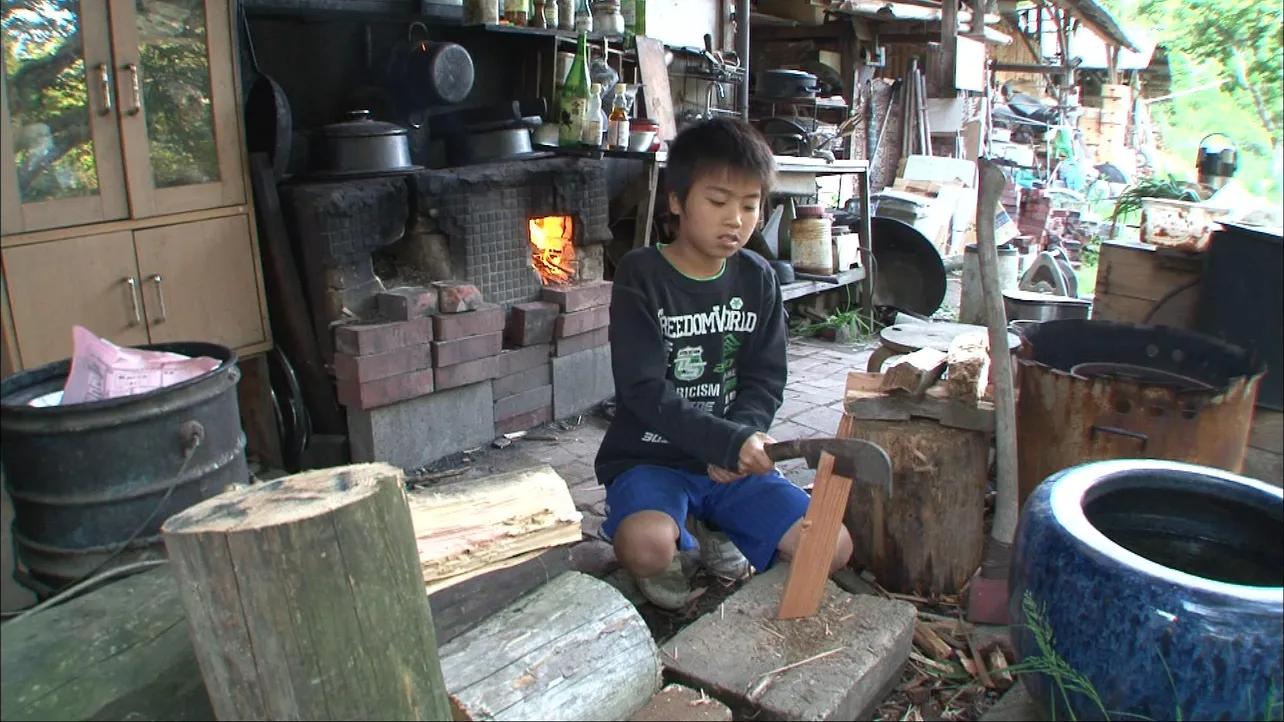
[575,97]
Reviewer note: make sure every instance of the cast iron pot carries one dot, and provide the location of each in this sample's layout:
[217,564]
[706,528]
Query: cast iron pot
[359,146]
[1160,583]
[787,84]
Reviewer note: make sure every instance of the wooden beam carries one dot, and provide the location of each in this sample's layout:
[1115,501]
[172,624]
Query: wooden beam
[305,599]
[829,31]
[810,567]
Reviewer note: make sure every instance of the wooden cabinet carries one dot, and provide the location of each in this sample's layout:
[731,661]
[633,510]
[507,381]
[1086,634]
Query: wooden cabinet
[172,283]
[123,184]
[120,110]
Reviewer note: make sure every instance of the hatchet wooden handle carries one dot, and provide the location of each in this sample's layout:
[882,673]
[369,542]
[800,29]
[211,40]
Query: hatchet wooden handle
[783,450]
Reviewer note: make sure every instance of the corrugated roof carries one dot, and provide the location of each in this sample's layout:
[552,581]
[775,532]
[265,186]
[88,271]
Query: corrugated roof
[1100,21]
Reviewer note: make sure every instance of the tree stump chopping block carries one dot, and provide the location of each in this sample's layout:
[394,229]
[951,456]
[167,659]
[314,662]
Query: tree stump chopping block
[305,599]
[927,539]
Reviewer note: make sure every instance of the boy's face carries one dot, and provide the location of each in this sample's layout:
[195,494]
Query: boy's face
[720,213]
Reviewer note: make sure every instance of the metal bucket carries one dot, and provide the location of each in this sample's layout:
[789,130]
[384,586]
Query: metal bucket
[92,483]
[1096,390]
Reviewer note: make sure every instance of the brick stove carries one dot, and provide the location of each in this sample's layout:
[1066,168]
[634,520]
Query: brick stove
[457,305]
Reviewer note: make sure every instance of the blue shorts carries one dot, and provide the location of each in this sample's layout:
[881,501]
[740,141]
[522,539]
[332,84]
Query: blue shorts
[754,512]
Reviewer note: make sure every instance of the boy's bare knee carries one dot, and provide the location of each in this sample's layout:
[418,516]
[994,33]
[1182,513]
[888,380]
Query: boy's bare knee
[842,550]
[646,542]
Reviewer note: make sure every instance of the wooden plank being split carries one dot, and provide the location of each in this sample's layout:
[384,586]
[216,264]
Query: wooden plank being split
[915,372]
[471,527]
[809,569]
[968,366]
[864,401]
[574,649]
[305,599]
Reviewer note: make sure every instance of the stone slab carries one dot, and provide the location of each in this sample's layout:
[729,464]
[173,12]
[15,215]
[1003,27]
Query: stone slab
[506,386]
[729,652]
[524,403]
[416,432]
[524,422]
[676,703]
[581,381]
[1014,706]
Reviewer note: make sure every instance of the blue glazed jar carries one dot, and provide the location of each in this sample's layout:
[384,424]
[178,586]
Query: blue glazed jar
[1161,584]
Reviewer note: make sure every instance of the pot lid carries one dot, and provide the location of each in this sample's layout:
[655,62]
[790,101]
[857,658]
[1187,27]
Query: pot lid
[782,73]
[360,126]
[1048,299]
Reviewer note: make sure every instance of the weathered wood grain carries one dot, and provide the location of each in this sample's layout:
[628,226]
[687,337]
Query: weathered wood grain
[575,649]
[817,540]
[305,599]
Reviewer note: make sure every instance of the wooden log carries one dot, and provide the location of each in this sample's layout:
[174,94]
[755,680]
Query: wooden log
[927,539]
[915,372]
[119,652]
[817,539]
[931,643]
[968,366]
[575,649]
[305,599]
[864,401]
[467,527]
[456,608]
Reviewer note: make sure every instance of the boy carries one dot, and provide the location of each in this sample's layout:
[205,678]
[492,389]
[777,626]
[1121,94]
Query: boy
[699,359]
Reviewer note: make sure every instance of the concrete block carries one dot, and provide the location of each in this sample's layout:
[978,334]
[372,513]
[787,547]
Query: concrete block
[591,319]
[417,432]
[676,703]
[577,297]
[581,342]
[581,381]
[450,326]
[523,403]
[511,384]
[728,654]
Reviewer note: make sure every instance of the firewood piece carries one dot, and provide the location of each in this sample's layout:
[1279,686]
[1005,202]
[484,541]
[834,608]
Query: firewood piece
[942,472]
[915,372]
[305,599]
[464,527]
[574,649]
[865,402]
[968,363]
[809,570]
[929,642]
[1000,677]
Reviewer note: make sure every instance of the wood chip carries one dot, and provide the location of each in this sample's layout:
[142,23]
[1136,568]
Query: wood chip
[928,641]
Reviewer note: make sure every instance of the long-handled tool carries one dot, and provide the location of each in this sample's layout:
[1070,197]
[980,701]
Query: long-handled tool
[855,459]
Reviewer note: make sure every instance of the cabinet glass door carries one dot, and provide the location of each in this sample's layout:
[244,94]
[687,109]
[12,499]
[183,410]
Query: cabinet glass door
[60,162]
[177,97]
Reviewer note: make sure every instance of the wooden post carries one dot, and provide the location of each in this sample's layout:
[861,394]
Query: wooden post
[927,539]
[305,599]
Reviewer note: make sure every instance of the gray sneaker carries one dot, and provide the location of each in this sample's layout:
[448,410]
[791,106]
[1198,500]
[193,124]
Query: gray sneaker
[669,589]
[721,557]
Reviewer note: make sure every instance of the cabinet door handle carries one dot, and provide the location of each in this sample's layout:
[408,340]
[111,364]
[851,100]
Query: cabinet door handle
[104,86]
[134,72]
[134,302]
[160,298]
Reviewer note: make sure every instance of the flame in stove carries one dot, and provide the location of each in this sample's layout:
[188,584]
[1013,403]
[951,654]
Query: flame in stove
[553,248]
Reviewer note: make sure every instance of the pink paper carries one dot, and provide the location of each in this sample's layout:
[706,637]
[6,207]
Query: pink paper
[102,370]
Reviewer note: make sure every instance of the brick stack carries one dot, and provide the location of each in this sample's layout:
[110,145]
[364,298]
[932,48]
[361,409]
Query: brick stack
[469,335]
[377,364]
[585,314]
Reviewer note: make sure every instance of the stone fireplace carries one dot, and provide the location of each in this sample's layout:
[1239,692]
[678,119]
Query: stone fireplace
[423,289]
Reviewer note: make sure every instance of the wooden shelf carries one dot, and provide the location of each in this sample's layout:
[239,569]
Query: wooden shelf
[798,289]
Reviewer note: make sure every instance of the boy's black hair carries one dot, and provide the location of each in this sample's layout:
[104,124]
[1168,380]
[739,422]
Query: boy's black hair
[714,145]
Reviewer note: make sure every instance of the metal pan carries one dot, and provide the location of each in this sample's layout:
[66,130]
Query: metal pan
[269,125]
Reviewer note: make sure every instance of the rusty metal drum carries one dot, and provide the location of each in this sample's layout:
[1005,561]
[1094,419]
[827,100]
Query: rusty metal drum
[1098,390]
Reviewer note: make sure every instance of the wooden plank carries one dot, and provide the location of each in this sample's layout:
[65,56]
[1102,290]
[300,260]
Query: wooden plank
[575,649]
[462,606]
[655,84]
[321,612]
[465,527]
[864,404]
[818,539]
[1140,271]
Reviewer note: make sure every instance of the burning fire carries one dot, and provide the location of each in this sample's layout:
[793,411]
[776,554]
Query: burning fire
[553,248]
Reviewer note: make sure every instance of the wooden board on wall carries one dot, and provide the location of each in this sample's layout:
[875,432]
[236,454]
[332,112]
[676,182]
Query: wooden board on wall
[655,86]
[1132,278]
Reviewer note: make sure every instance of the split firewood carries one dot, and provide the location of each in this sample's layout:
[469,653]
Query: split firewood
[469,528]
[929,642]
[1000,677]
[916,372]
[968,366]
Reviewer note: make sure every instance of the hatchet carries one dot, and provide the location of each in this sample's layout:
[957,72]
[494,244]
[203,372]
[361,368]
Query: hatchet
[856,459]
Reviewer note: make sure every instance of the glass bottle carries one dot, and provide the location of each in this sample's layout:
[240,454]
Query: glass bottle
[617,132]
[583,17]
[515,12]
[550,14]
[536,19]
[575,97]
[593,119]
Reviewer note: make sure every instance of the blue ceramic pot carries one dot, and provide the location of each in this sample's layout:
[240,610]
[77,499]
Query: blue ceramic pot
[1161,583]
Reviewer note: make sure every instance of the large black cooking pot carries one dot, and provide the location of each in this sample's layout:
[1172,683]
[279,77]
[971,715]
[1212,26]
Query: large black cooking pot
[359,147]
[908,271]
[787,84]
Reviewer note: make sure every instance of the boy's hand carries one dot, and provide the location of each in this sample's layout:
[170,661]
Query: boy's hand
[722,476]
[753,455]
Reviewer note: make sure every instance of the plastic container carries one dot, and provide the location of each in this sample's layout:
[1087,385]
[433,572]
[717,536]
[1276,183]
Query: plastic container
[1179,225]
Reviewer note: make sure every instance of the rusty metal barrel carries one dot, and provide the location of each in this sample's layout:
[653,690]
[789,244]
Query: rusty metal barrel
[1096,390]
